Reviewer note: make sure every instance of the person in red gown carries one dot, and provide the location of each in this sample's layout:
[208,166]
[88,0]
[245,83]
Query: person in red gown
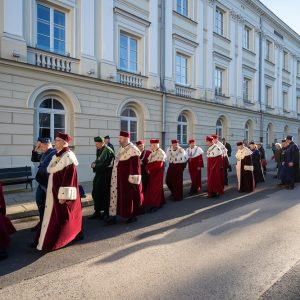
[126,196]
[62,220]
[176,156]
[225,159]
[195,163]
[215,187]
[154,197]
[144,161]
[244,169]
[6,227]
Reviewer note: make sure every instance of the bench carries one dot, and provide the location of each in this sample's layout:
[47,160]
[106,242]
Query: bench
[10,176]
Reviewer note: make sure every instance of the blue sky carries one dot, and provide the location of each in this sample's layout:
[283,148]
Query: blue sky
[287,10]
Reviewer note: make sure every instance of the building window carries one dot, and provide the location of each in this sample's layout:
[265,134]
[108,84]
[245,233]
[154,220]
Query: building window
[129,122]
[128,53]
[182,129]
[269,51]
[285,102]
[268,96]
[219,21]
[247,132]
[298,105]
[219,73]
[285,61]
[181,69]
[247,33]
[298,68]
[182,7]
[219,128]
[246,89]
[268,135]
[51,118]
[51,29]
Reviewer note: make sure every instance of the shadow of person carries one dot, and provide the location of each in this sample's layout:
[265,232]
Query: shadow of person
[185,229]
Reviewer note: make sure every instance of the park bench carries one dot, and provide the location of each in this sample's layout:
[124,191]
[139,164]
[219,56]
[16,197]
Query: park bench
[11,176]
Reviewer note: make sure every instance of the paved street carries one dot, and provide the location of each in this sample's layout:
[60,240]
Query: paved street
[237,247]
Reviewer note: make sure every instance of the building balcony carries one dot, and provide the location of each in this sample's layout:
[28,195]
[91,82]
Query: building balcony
[131,79]
[52,61]
[184,91]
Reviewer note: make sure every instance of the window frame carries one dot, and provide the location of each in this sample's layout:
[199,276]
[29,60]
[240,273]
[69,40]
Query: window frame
[181,10]
[285,100]
[186,68]
[52,26]
[219,21]
[285,60]
[269,51]
[247,37]
[181,125]
[246,89]
[269,96]
[219,81]
[129,37]
[52,112]
[298,105]
[220,128]
[129,120]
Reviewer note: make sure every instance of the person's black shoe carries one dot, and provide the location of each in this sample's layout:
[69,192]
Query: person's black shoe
[111,220]
[79,236]
[289,187]
[3,255]
[131,220]
[36,227]
[153,209]
[95,215]
[32,245]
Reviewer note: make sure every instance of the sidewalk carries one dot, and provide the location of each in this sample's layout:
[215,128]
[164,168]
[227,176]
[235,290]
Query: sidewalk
[20,203]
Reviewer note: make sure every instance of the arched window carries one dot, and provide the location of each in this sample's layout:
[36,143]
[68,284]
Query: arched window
[219,128]
[286,131]
[182,129]
[269,135]
[248,131]
[129,122]
[51,118]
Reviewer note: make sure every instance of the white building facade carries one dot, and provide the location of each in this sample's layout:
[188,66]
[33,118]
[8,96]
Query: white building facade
[159,69]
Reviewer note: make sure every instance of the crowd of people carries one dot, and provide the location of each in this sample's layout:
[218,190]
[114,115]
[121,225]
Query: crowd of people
[130,182]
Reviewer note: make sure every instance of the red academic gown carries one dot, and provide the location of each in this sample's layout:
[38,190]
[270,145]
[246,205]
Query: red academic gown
[126,185]
[214,171]
[195,163]
[61,222]
[6,227]
[244,171]
[154,196]
[144,161]
[174,178]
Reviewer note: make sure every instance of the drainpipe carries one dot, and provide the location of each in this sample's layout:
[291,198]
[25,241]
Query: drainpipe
[162,71]
[260,80]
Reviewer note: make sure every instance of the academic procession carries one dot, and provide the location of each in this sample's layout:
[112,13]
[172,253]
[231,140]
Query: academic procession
[129,182]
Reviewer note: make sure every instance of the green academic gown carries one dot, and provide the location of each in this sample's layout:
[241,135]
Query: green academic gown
[101,182]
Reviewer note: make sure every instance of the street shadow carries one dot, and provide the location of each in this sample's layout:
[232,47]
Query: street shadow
[176,232]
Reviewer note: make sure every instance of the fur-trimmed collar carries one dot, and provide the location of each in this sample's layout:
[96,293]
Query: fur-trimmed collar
[214,151]
[157,155]
[58,163]
[176,156]
[194,152]
[128,151]
[242,153]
